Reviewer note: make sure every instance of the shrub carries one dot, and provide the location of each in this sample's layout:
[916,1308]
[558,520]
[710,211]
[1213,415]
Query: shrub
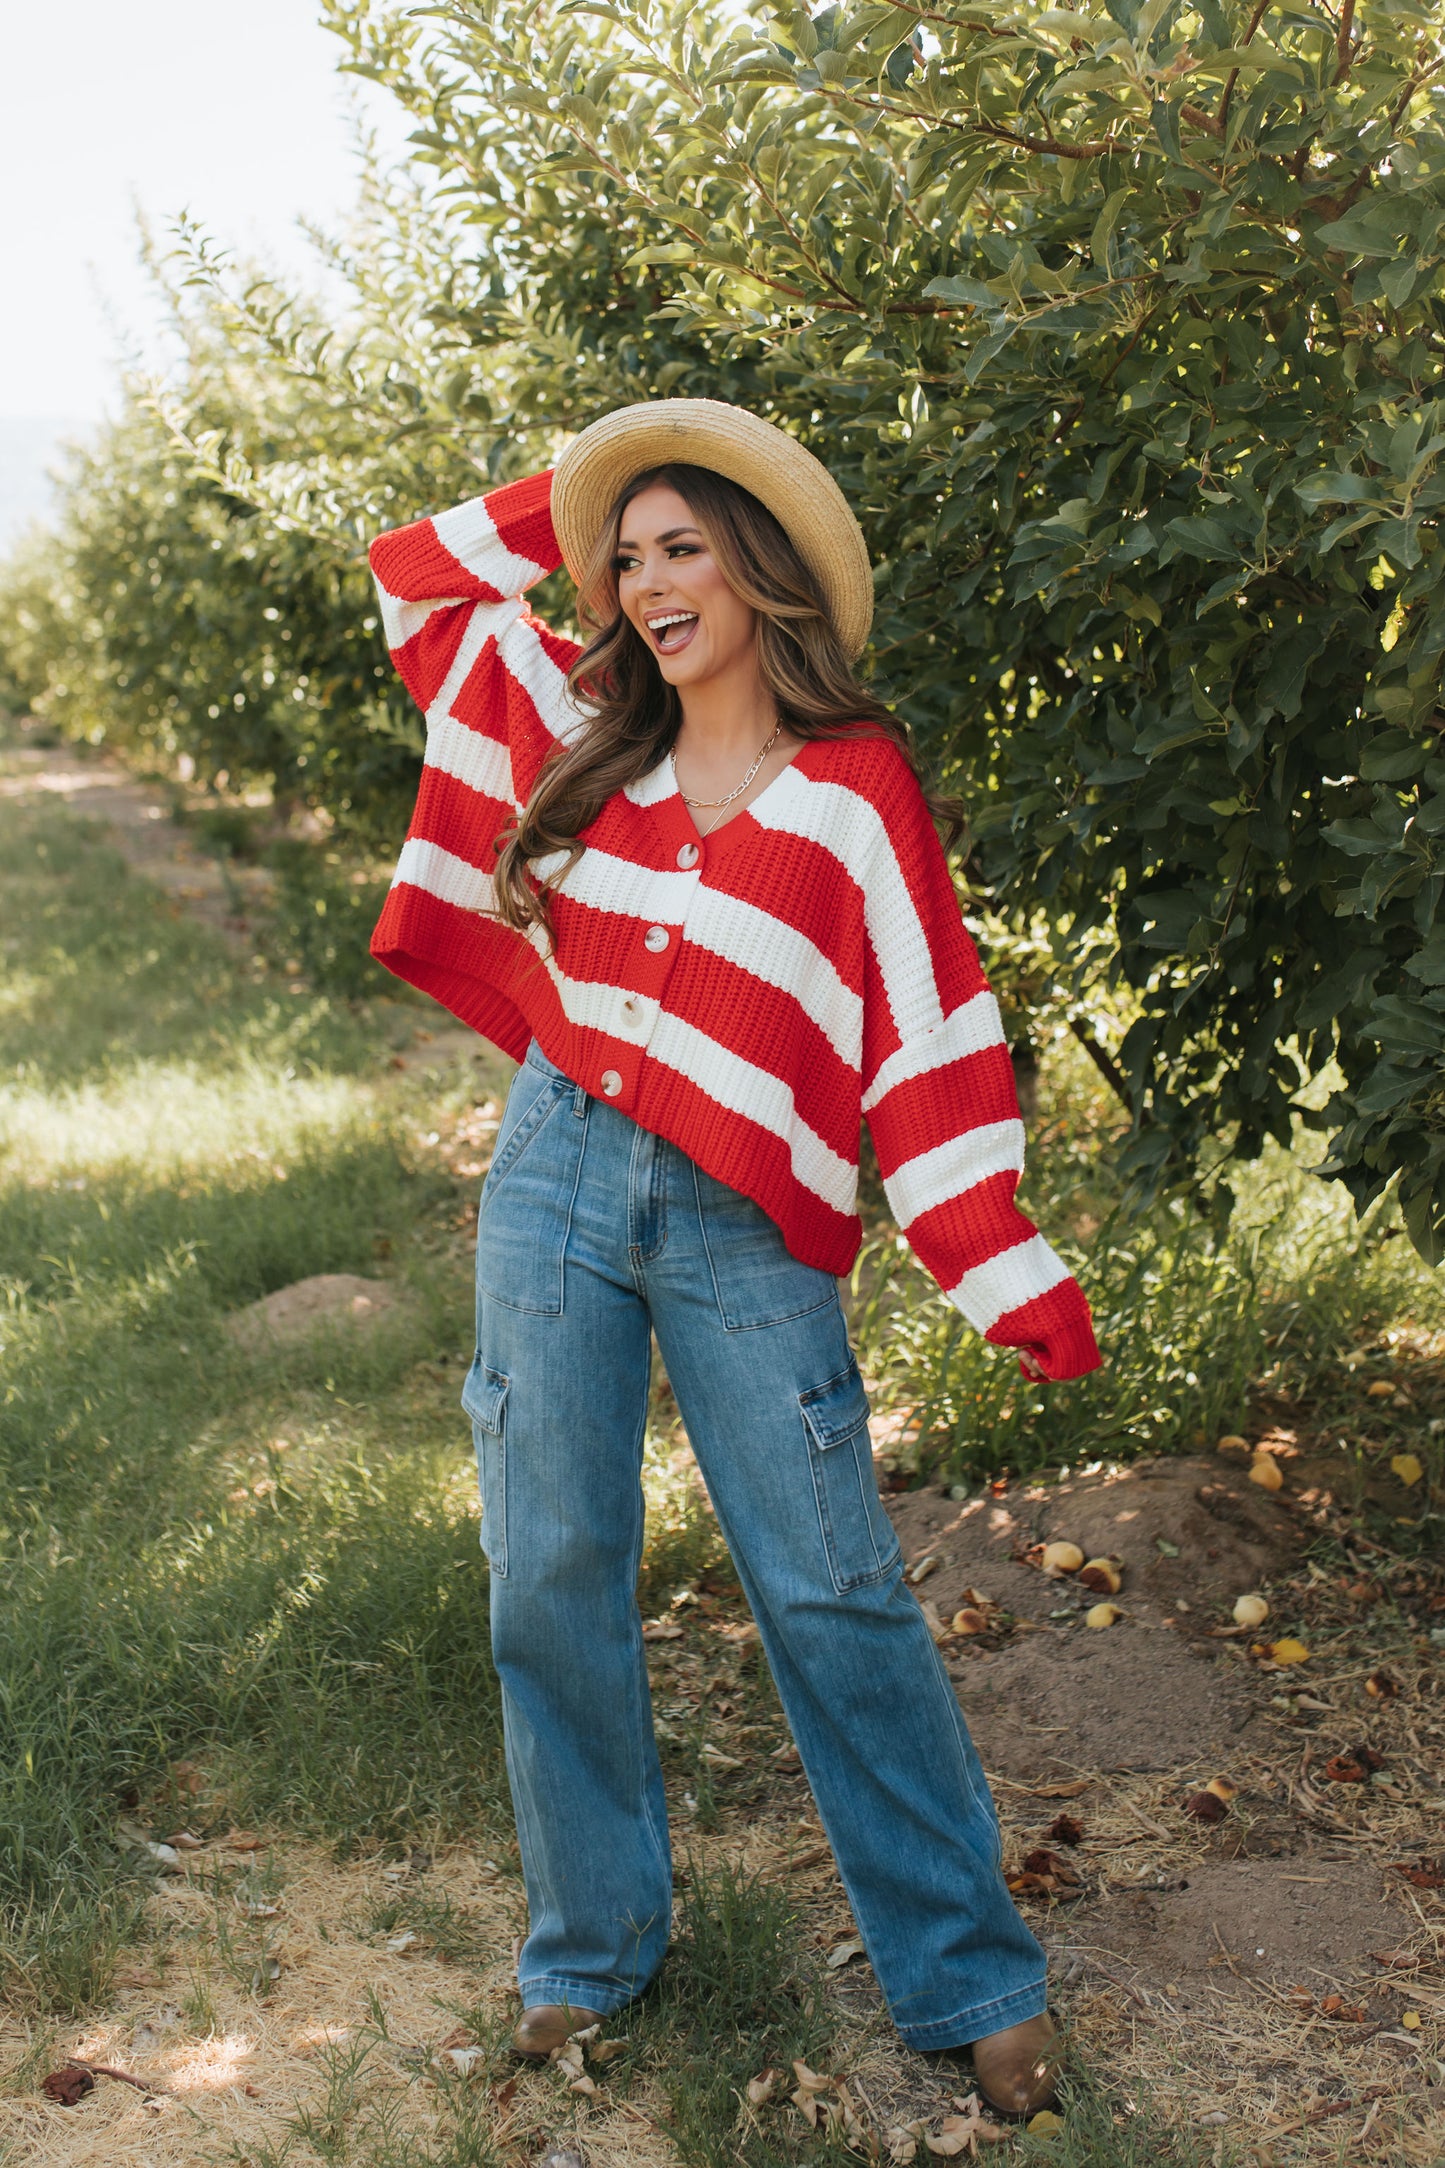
[1121,325]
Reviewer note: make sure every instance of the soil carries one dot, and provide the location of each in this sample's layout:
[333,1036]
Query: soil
[1193,1534]
[1129,1698]
[327,1299]
[1256,1919]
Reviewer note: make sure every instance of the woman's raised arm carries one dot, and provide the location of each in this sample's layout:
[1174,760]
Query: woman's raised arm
[452,584]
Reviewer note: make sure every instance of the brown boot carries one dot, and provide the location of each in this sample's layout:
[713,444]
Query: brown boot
[538,2031]
[1017,2070]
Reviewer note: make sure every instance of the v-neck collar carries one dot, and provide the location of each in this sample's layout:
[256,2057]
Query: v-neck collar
[674,819]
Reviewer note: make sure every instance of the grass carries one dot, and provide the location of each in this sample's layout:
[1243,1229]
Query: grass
[199,1552]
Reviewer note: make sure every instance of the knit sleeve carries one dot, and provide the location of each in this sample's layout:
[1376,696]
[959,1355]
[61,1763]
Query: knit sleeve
[939,1097]
[451,590]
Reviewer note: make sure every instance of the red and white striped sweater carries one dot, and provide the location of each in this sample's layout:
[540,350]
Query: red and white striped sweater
[749,996]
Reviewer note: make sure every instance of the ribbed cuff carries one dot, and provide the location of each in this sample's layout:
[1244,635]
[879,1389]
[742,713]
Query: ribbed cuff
[1056,1328]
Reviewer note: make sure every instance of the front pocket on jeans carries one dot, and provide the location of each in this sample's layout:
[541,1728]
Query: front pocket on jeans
[858,1536]
[526,1208]
[484,1396]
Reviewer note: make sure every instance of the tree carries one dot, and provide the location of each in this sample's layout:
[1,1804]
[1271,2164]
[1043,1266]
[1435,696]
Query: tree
[1122,326]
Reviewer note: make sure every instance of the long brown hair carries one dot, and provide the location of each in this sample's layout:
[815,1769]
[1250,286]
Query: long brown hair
[633,715]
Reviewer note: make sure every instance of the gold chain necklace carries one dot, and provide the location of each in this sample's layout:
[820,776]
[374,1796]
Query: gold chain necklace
[708,804]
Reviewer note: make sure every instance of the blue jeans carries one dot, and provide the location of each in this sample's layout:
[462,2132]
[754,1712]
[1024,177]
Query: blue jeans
[592,1233]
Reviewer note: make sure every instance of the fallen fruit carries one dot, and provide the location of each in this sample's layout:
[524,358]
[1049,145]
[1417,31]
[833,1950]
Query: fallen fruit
[924,1567]
[1212,1804]
[1061,1558]
[1381,1686]
[1064,1829]
[1250,1611]
[1410,2019]
[1406,1467]
[968,1621]
[1232,1443]
[1045,1874]
[1103,1614]
[69,2084]
[1103,1575]
[1264,1470]
[1287,1651]
[1354,1766]
[1380,1389]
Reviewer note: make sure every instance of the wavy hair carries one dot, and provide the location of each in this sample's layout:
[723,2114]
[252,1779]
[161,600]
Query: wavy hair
[633,715]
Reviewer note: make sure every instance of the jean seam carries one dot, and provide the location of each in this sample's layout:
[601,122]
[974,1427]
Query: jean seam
[985,1805]
[643,1730]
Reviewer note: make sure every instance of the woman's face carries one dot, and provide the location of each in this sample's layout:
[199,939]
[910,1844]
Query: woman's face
[672,591]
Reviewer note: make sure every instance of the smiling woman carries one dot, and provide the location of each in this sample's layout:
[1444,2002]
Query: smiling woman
[712,643]
[704,1016]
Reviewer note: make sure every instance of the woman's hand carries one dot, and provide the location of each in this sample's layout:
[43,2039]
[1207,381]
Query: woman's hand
[1031,1367]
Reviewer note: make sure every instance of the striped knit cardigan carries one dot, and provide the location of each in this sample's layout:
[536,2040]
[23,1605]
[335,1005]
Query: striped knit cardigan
[749,996]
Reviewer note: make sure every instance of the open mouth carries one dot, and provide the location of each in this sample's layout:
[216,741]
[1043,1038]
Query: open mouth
[672,630]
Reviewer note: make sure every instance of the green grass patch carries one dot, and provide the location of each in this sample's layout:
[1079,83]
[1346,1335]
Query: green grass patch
[264,1564]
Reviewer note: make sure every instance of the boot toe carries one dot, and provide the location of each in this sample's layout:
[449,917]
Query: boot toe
[544,2028]
[1017,2070]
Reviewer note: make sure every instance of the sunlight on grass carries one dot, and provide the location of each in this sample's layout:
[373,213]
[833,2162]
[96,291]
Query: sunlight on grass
[161,1117]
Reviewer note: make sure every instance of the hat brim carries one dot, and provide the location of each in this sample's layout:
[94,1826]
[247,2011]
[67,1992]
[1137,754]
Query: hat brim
[794,486]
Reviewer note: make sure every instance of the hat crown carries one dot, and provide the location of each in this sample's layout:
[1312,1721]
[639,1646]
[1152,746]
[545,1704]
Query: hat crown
[730,440]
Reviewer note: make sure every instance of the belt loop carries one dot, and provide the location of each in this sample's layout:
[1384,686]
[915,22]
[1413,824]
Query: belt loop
[579,1102]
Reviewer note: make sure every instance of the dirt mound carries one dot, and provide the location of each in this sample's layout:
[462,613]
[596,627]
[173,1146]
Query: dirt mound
[327,1299]
[1135,1697]
[1193,1533]
[1283,1922]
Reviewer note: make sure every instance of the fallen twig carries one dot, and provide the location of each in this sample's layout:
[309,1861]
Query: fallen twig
[811,1858]
[1377,2094]
[74,2079]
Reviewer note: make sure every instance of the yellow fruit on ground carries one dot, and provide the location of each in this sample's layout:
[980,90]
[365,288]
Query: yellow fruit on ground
[1264,1470]
[1061,1558]
[1103,1614]
[1103,1575]
[1251,1611]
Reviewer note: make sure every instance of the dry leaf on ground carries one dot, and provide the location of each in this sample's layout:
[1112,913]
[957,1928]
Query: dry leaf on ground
[1424,1874]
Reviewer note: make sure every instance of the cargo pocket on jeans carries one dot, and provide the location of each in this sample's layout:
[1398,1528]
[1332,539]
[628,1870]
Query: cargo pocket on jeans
[484,1396]
[858,1536]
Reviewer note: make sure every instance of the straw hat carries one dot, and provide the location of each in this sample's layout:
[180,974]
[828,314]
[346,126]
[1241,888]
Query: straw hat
[795,487]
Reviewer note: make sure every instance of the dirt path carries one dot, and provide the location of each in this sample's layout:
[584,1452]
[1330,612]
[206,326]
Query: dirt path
[140,816]
[1263,1962]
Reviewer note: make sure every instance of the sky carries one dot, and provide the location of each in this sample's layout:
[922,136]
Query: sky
[234,112]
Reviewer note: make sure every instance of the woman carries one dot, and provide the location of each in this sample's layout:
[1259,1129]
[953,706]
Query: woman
[688,877]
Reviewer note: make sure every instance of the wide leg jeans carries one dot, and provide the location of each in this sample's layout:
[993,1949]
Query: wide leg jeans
[592,1234]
